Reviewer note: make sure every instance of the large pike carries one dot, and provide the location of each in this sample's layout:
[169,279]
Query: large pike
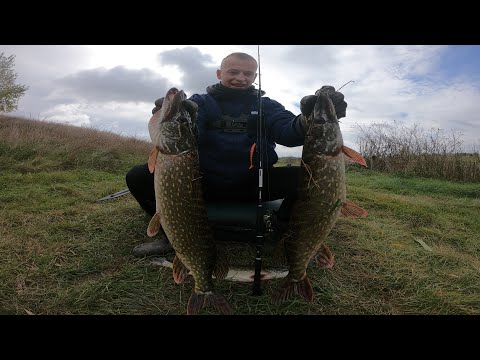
[321,195]
[180,207]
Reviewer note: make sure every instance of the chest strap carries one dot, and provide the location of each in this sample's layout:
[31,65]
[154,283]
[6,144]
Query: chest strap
[229,123]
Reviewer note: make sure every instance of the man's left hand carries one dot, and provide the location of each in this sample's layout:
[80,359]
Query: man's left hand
[337,98]
[308,102]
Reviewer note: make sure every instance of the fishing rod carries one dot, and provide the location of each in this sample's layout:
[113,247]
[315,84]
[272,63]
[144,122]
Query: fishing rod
[257,288]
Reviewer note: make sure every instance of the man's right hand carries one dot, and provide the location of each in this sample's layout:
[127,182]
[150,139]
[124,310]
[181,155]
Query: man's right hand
[158,105]
[308,102]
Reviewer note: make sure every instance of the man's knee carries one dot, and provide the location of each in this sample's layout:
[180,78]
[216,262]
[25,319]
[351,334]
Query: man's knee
[137,175]
[130,178]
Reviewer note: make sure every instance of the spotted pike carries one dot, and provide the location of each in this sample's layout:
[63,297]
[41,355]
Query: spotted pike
[321,196]
[180,207]
[235,274]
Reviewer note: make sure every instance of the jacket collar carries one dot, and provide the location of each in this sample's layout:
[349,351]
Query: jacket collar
[221,92]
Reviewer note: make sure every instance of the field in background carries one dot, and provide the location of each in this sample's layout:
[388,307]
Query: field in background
[414,151]
[418,251]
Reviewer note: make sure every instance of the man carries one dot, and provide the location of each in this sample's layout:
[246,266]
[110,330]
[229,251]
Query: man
[227,124]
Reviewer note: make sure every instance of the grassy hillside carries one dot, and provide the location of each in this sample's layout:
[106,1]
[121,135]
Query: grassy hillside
[30,146]
[418,251]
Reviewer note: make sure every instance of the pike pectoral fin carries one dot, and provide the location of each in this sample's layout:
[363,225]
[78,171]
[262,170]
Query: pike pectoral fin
[324,257]
[154,225]
[292,287]
[199,300]
[354,155]
[349,209]
[180,271]
[152,159]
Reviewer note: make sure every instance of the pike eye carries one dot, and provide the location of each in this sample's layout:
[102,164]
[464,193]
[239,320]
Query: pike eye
[182,119]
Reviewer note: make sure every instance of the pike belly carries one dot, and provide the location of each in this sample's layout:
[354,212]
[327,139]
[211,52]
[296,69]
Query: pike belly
[321,194]
[179,199]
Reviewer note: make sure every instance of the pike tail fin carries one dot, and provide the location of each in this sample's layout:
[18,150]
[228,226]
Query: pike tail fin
[354,156]
[198,301]
[154,225]
[180,271]
[349,209]
[292,287]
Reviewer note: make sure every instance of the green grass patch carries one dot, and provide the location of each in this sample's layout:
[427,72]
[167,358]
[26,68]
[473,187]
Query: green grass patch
[64,253]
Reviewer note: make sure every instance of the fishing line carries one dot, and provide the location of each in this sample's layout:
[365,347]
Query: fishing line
[351,81]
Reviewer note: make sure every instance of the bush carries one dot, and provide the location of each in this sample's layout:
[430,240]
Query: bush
[414,151]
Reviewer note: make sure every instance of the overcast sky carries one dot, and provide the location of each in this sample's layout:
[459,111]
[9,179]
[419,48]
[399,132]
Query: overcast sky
[113,87]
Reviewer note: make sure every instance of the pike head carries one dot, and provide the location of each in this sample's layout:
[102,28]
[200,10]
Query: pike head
[173,130]
[323,135]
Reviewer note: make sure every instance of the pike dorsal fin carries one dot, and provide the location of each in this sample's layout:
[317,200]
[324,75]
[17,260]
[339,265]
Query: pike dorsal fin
[152,159]
[349,209]
[180,271]
[354,155]
[154,225]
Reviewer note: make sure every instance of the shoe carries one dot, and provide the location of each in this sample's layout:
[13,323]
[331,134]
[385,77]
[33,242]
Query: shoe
[157,247]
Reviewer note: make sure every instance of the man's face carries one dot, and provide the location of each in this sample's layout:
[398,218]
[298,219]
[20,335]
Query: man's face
[237,73]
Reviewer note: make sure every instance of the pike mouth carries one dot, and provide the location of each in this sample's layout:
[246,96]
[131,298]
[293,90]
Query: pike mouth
[323,112]
[176,97]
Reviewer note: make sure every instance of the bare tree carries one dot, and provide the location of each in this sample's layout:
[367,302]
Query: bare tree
[10,92]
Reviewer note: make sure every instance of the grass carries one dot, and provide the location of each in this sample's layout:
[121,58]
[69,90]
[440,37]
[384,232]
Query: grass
[63,253]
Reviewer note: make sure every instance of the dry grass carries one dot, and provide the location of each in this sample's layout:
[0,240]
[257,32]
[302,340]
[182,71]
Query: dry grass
[414,151]
[32,146]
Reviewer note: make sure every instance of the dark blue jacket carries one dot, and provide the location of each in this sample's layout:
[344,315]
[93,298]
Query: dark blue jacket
[224,156]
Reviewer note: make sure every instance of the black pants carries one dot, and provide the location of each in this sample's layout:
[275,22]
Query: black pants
[278,183]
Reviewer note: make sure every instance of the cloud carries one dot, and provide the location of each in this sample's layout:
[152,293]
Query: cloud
[116,84]
[72,114]
[434,86]
[198,69]
[127,119]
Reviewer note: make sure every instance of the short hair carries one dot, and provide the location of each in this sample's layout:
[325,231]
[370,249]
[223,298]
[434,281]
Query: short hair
[239,55]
